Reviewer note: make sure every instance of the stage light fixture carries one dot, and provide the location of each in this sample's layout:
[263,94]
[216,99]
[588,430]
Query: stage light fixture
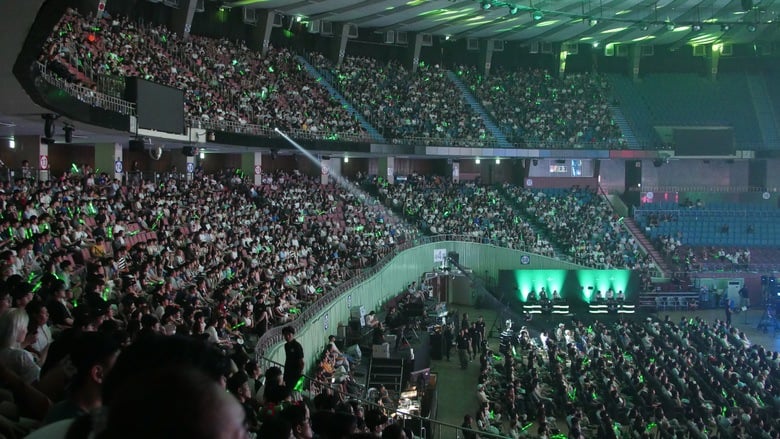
[346,159]
[12,143]
[725,27]
[513,10]
[751,28]
[478,161]
[696,27]
[592,22]
[498,161]
[486,4]
[669,26]
[537,15]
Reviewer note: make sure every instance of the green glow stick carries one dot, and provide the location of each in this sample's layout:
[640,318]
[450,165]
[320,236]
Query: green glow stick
[299,385]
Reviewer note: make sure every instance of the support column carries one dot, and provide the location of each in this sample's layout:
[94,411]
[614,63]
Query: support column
[183,165]
[455,171]
[386,168]
[488,57]
[714,59]
[326,169]
[108,158]
[35,152]
[261,32]
[338,45]
[636,58]
[414,53]
[181,17]
[252,164]
[562,63]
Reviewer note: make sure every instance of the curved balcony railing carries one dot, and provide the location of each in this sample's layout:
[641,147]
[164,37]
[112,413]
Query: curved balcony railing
[85,94]
[274,335]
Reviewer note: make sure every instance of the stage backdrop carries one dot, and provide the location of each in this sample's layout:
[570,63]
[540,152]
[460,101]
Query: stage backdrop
[577,287]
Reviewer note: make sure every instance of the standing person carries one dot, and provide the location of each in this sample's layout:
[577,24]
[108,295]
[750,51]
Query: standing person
[728,313]
[476,340]
[463,347]
[447,340]
[468,425]
[464,322]
[293,360]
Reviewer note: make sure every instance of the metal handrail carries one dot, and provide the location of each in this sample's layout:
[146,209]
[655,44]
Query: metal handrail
[705,189]
[274,335]
[85,94]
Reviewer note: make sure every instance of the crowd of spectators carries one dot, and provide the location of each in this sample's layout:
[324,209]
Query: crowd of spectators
[585,227]
[631,379]
[212,259]
[223,81]
[403,104]
[539,108]
[438,206]
[227,82]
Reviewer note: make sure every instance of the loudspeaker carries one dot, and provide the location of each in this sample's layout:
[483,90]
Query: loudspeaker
[136,145]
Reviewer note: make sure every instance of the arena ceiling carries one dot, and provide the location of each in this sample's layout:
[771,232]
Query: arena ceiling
[695,22]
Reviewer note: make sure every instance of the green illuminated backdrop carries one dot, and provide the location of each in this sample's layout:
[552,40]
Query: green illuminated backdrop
[578,287]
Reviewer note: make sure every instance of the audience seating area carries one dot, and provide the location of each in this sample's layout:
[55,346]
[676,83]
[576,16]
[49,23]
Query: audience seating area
[688,99]
[634,379]
[543,110]
[405,104]
[224,82]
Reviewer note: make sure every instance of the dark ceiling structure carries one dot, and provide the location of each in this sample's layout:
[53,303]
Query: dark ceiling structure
[574,21]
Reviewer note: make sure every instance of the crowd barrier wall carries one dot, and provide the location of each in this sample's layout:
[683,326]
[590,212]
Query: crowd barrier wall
[379,284]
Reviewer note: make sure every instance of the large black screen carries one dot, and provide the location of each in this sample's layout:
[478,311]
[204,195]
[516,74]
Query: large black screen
[704,141]
[158,107]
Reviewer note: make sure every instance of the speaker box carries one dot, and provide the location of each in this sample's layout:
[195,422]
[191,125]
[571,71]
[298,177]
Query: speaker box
[136,145]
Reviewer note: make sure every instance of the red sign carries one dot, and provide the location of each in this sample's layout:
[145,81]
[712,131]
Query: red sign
[43,162]
[258,170]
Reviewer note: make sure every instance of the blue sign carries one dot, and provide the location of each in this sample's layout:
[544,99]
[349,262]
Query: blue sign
[525,259]
[190,167]
[118,167]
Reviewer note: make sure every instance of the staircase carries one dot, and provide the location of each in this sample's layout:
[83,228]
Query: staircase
[765,113]
[314,73]
[477,108]
[625,127]
[642,239]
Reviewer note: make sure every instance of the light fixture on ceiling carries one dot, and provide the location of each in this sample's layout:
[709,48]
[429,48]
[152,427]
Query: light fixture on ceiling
[595,44]
[486,4]
[202,154]
[593,21]
[696,27]
[669,26]
[751,27]
[725,27]
[12,142]
[537,15]
[478,161]
[498,160]
[643,26]
[513,10]
[346,159]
